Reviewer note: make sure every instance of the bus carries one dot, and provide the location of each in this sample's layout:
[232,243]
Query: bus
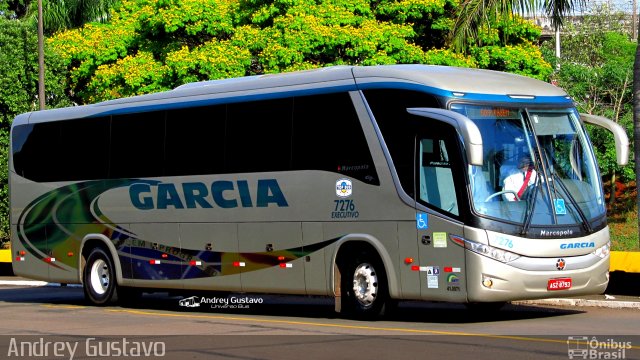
[367,184]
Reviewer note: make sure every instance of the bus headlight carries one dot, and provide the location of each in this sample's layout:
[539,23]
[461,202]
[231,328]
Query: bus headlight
[486,250]
[603,251]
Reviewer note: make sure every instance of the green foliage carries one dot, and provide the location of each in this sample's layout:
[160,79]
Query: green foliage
[186,18]
[11,9]
[449,58]
[431,19]
[19,72]
[520,59]
[508,45]
[57,15]
[149,46]
[331,33]
[18,89]
[62,15]
[153,45]
[512,30]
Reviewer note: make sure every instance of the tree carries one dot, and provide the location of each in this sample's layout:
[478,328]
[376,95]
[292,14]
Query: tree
[52,16]
[474,16]
[151,45]
[58,14]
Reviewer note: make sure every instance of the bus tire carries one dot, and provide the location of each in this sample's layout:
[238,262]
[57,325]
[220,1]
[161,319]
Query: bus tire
[364,287]
[99,278]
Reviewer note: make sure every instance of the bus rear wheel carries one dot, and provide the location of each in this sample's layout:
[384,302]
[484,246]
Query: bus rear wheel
[364,286]
[99,278]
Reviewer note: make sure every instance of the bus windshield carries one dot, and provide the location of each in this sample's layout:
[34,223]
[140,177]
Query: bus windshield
[538,168]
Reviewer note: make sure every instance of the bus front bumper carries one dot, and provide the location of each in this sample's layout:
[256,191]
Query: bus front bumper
[489,280]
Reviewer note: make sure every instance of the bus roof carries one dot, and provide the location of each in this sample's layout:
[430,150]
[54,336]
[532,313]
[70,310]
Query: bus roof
[441,80]
[460,80]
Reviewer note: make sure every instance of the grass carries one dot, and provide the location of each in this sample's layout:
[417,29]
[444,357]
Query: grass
[623,227]
[623,218]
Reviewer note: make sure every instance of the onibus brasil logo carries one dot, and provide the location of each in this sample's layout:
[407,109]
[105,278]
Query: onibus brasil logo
[583,347]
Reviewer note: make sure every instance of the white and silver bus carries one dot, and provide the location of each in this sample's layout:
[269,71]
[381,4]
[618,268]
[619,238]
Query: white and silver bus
[366,184]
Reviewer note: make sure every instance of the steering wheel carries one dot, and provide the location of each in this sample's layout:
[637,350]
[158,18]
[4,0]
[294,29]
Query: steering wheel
[503,192]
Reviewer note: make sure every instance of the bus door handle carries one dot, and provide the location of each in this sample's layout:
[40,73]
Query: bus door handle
[426,239]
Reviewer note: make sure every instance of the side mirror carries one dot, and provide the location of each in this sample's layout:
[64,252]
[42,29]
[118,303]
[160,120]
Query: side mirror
[465,127]
[619,135]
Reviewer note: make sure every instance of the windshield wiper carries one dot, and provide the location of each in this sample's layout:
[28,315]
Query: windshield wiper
[541,170]
[531,205]
[572,200]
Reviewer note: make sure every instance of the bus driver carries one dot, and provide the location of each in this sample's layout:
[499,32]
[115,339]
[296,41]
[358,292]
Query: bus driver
[519,179]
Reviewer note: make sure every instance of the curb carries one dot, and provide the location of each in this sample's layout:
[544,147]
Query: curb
[582,302]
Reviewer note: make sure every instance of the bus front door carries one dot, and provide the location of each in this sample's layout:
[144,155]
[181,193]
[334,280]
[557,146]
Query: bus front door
[440,208]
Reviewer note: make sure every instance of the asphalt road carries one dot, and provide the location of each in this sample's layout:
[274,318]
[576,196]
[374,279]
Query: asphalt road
[283,327]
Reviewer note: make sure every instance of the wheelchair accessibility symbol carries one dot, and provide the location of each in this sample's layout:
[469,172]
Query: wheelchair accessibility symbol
[421,221]
[561,208]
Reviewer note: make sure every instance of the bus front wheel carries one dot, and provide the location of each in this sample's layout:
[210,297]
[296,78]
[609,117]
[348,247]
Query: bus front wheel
[99,277]
[364,286]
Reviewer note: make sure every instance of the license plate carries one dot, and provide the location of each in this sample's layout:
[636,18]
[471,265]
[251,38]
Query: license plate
[559,284]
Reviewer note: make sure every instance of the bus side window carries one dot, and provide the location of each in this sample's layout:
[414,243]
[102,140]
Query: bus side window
[195,141]
[137,145]
[327,135]
[258,136]
[389,108]
[436,176]
[69,150]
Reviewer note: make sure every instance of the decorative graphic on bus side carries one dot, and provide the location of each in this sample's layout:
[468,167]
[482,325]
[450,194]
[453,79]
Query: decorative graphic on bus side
[54,224]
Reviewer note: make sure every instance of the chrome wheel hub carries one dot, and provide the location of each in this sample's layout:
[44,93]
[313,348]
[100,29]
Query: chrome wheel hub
[365,284]
[100,277]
